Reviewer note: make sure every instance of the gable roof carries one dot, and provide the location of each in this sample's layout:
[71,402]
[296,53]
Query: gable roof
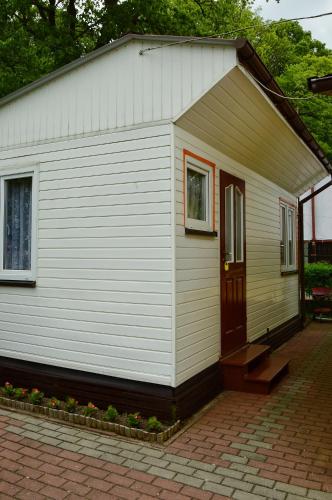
[247,56]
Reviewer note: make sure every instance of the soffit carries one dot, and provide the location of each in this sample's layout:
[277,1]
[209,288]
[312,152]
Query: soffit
[237,118]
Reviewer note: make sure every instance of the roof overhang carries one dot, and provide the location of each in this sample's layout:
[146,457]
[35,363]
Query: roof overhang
[238,119]
[246,55]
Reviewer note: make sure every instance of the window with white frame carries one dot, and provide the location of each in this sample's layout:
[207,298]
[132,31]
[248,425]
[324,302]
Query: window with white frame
[199,195]
[287,237]
[18,234]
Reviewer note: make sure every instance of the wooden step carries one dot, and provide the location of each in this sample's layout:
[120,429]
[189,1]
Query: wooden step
[246,355]
[266,375]
[235,366]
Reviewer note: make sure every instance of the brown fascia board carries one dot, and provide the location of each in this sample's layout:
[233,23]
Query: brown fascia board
[320,85]
[246,54]
[249,58]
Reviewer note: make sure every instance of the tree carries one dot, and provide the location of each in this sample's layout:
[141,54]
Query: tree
[316,112]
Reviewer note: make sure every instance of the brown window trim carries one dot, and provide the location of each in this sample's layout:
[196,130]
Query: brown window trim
[24,283]
[287,273]
[199,232]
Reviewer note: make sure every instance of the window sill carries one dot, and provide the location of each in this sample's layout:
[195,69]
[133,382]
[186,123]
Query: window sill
[24,283]
[288,273]
[200,232]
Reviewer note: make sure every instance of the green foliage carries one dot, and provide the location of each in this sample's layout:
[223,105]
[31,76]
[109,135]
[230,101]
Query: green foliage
[316,112]
[153,425]
[8,389]
[317,274]
[20,393]
[134,420]
[54,403]
[70,404]
[111,414]
[90,410]
[35,397]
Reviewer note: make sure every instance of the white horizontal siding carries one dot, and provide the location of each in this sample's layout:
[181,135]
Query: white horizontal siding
[271,298]
[104,280]
[118,89]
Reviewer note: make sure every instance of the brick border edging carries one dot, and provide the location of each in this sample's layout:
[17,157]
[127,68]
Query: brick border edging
[91,422]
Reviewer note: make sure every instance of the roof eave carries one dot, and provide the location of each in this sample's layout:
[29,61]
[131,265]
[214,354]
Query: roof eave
[253,63]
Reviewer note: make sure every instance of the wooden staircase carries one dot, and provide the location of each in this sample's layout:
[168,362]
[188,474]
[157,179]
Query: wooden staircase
[252,369]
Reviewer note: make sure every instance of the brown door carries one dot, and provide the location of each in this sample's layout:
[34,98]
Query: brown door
[232,263]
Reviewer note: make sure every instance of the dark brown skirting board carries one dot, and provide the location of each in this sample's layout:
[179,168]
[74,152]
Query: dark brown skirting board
[150,399]
[281,334]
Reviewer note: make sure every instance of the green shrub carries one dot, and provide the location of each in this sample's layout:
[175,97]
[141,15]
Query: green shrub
[134,420]
[54,403]
[153,425]
[8,389]
[111,414]
[90,410]
[35,397]
[20,393]
[71,405]
[317,274]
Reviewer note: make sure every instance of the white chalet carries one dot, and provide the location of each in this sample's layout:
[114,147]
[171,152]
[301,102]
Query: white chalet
[148,221]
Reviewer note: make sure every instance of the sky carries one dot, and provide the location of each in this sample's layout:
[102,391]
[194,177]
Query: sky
[320,28]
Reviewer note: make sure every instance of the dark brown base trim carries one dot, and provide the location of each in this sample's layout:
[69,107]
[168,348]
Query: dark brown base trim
[164,402]
[281,333]
[29,284]
[199,232]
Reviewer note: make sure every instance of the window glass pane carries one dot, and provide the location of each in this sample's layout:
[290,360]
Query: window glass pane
[283,239]
[238,225]
[17,223]
[290,237]
[229,223]
[196,195]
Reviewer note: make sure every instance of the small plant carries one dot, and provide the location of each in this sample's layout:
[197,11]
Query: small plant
[71,405]
[20,393]
[317,274]
[111,414]
[8,389]
[90,410]
[35,397]
[54,403]
[153,425]
[134,420]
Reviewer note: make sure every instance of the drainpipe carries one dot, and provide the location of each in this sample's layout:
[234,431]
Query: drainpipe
[313,227]
[311,196]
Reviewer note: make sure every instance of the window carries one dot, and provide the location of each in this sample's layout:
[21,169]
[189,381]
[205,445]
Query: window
[234,224]
[287,237]
[17,235]
[198,193]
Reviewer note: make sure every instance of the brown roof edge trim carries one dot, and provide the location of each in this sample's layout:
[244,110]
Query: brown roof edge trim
[253,63]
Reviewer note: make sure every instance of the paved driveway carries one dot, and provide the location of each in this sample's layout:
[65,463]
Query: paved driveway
[243,446]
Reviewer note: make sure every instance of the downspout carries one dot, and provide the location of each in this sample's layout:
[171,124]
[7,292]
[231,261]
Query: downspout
[313,227]
[311,196]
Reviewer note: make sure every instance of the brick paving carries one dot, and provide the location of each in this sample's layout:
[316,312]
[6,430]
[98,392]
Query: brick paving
[243,446]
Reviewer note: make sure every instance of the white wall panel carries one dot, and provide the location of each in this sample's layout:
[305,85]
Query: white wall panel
[103,297]
[120,88]
[272,299]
